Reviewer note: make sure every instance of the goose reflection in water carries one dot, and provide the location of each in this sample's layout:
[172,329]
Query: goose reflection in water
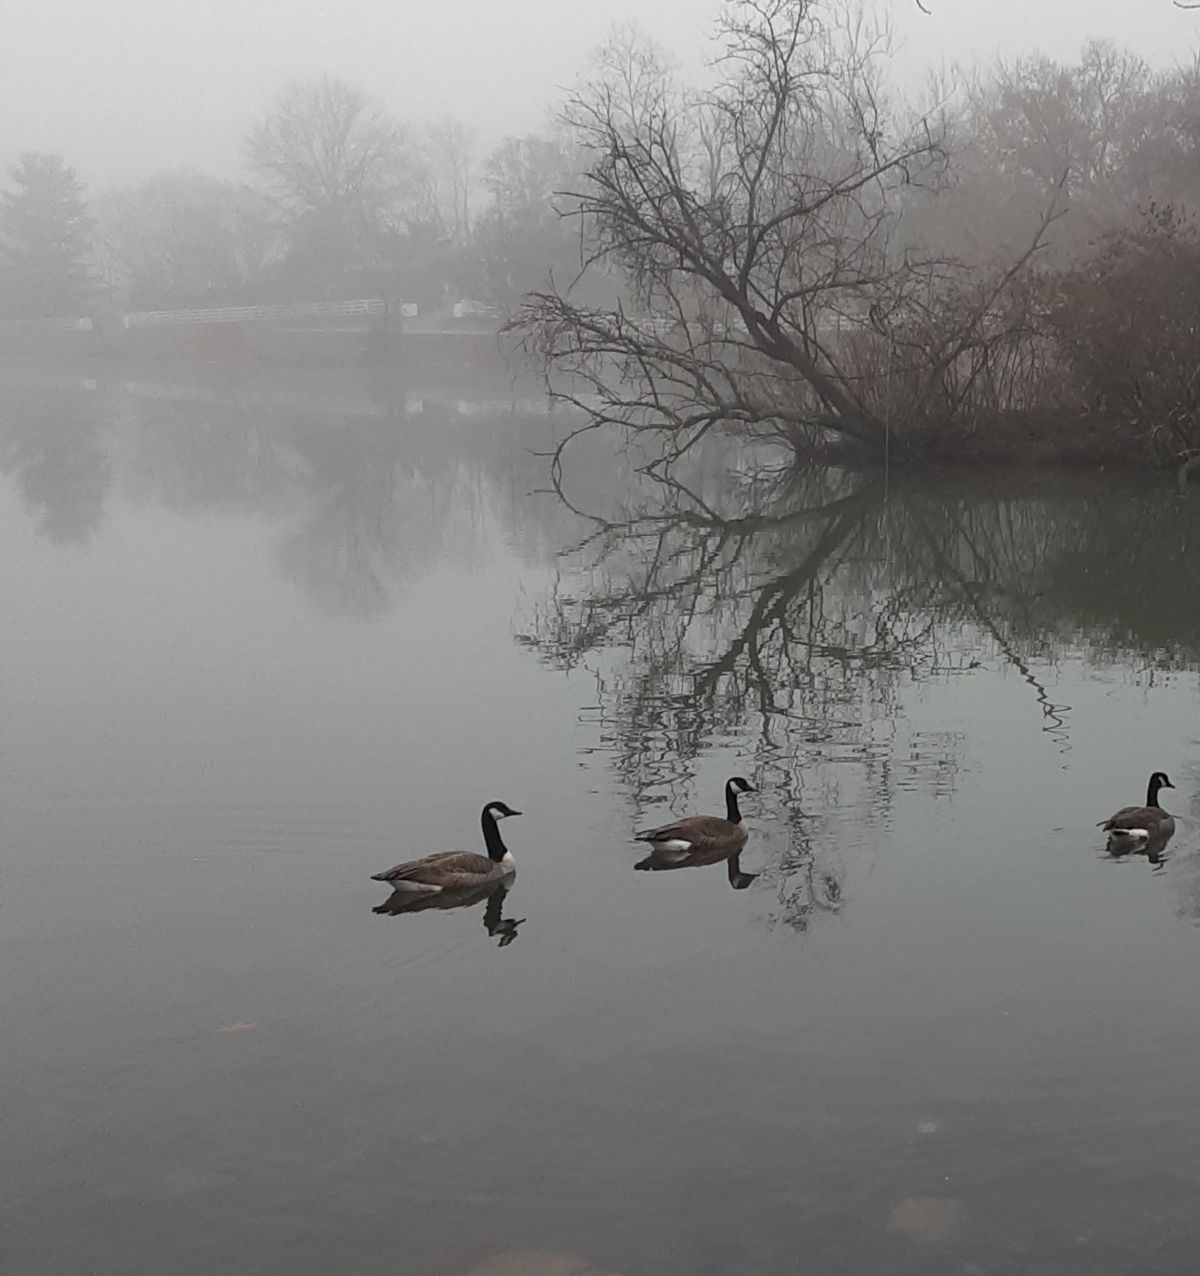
[502,928]
[663,859]
[1153,850]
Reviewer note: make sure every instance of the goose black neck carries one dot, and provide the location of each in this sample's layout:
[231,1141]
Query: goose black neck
[491,836]
[1152,791]
[732,814]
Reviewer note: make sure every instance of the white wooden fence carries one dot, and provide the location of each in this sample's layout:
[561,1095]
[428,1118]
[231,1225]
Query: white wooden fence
[370,307]
[261,314]
[40,325]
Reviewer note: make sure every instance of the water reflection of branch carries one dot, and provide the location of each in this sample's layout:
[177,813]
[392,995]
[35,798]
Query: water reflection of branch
[1054,715]
[807,886]
[771,604]
[790,626]
[727,620]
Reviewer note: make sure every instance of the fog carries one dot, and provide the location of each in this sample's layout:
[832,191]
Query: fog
[409,407]
[127,88]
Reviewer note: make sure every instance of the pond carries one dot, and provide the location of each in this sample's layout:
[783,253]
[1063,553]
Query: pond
[260,646]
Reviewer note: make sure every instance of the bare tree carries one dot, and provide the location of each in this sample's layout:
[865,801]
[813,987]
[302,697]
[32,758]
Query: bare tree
[340,167]
[183,238]
[756,224]
[451,174]
[327,145]
[520,240]
[1033,120]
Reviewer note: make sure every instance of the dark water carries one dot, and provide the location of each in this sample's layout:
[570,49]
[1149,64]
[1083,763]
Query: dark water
[257,647]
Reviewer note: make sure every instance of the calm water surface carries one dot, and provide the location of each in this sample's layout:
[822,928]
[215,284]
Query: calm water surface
[257,647]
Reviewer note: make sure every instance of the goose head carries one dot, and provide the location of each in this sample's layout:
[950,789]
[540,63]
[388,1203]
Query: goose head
[1159,780]
[733,789]
[499,810]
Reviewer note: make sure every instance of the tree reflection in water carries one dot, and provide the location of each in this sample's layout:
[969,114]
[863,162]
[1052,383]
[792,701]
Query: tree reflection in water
[56,458]
[365,493]
[779,610]
[786,611]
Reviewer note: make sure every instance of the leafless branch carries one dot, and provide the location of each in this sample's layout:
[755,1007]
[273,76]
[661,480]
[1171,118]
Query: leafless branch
[754,224]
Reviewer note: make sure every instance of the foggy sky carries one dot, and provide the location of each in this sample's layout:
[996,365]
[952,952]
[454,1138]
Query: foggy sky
[130,86]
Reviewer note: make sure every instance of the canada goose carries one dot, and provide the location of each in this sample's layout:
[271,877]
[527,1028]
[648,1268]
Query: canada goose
[704,832]
[1142,823]
[457,870]
[661,860]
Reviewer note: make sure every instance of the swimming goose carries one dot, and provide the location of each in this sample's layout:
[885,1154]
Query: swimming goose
[704,832]
[1142,823]
[457,870]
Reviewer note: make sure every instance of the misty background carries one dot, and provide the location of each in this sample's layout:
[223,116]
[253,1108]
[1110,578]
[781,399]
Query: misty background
[336,499]
[175,134]
[124,90]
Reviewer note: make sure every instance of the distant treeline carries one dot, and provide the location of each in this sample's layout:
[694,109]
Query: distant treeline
[823,257]
[340,200]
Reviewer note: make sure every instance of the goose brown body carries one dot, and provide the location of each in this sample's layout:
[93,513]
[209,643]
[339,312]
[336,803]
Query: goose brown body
[704,833]
[1150,822]
[457,870]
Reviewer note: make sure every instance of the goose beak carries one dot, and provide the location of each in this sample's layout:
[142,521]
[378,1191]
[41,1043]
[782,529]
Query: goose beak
[512,812]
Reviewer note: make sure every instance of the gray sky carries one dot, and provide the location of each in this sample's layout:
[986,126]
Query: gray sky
[124,87]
